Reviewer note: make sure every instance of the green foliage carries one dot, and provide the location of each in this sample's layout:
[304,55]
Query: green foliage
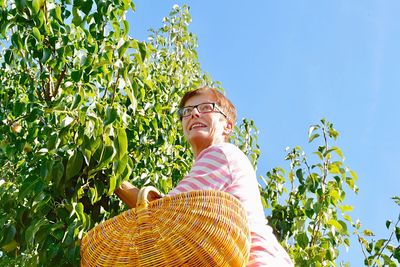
[384,251]
[308,210]
[83,107]
[245,137]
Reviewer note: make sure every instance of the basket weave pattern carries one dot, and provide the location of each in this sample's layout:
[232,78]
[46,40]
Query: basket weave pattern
[198,228]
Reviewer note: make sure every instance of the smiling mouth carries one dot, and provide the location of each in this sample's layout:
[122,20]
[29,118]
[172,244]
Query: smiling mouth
[197,125]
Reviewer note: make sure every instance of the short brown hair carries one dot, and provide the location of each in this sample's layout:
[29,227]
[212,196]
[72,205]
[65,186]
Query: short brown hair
[224,103]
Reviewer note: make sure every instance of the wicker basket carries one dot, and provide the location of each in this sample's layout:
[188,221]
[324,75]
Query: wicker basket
[198,228]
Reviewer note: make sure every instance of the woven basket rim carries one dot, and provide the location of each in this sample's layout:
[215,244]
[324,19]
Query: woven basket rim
[224,211]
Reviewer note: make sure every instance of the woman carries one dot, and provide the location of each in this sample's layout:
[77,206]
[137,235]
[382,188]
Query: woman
[208,119]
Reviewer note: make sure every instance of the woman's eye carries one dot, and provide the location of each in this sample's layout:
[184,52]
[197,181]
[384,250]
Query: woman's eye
[205,108]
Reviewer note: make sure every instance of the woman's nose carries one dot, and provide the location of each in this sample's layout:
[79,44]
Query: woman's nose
[195,112]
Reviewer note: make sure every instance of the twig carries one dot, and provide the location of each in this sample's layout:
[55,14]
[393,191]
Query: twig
[43,85]
[362,247]
[114,89]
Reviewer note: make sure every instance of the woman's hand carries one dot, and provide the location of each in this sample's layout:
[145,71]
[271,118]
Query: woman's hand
[129,193]
[153,196]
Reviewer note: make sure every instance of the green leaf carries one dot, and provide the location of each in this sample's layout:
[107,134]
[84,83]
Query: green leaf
[76,75]
[20,4]
[302,240]
[16,41]
[78,208]
[86,6]
[397,200]
[122,143]
[10,246]
[74,165]
[36,34]
[113,183]
[57,15]
[8,56]
[111,115]
[291,177]
[77,18]
[263,201]
[368,232]
[338,152]
[126,4]
[57,173]
[8,234]
[354,175]
[92,144]
[46,55]
[312,129]
[350,182]
[36,5]
[333,168]
[312,137]
[129,92]
[107,155]
[27,187]
[346,208]
[335,224]
[77,101]
[343,229]
[299,175]
[154,123]
[333,133]
[93,195]
[142,50]
[87,155]
[379,244]
[120,165]
[53,141]
[68,237]
[127,171]
[32,230]
[396,253]
[348,218]
[66,121]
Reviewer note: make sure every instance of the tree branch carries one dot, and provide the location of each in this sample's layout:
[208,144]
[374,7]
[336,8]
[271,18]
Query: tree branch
[59,80]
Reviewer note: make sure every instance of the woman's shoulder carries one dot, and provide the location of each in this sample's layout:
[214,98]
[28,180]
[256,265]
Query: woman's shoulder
[228,149]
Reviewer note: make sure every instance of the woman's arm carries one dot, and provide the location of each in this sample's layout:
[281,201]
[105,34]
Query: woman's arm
[129,194]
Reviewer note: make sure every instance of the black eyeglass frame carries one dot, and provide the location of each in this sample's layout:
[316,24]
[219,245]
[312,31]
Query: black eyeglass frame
[215,107]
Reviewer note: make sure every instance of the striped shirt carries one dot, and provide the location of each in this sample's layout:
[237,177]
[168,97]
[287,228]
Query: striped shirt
[225,167]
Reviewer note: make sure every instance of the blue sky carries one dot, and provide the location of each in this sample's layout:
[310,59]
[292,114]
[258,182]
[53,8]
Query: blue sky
[287,64]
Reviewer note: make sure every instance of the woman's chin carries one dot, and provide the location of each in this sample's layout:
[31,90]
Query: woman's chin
[199,138]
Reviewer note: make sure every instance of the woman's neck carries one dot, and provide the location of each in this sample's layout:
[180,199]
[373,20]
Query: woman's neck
[197,149]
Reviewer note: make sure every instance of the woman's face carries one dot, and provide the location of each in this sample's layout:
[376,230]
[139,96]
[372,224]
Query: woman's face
[204,129]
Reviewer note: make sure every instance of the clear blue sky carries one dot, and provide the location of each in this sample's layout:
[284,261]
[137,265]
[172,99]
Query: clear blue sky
[287,64]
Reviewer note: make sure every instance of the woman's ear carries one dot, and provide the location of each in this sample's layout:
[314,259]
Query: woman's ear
[228,127]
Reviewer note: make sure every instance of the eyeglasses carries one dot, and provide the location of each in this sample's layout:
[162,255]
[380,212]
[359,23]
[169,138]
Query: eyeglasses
[185,112]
